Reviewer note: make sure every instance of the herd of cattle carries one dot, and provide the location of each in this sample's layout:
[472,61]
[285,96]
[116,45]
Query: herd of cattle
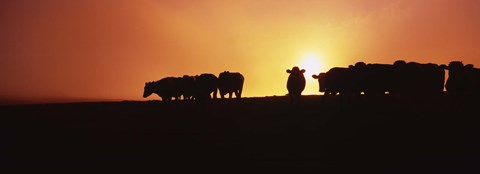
[198,87]
[400,78]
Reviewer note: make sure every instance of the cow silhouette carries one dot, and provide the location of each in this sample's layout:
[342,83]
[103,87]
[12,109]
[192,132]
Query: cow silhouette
[337,80]
[229,83]
[205,86]
[416,79]
[462,79]
[295,84]
[166,88]
[374,80]
[188,87]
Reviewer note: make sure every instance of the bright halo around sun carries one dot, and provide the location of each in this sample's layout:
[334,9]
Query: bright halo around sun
[311,63]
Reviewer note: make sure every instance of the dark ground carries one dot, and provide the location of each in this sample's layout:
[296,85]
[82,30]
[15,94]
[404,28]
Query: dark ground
[256,135]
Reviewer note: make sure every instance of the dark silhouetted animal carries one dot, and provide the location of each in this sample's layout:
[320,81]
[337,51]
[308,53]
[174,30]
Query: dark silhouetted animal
[374,79]
[229,83]
[188,87]
[400,78]
[205,86]
[337,80]
[416,79]
[462,79]
[166,88]
[295,83]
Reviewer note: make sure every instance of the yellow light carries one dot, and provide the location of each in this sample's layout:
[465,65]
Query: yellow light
[311,63]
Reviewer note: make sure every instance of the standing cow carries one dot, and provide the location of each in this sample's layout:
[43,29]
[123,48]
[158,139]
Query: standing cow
[188,87]
[229,83]
[205,86]
[295,83]
[462,79]
[166,88]
[340,80]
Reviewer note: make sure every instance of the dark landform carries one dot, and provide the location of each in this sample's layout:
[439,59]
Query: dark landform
[390,134]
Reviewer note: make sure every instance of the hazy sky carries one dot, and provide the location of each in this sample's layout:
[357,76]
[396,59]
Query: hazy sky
[56,49]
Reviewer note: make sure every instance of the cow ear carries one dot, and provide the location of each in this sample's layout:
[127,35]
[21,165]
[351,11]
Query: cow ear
[289,71]
[303,71]
[315,76]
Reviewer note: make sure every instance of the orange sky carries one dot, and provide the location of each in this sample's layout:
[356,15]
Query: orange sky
[52,50]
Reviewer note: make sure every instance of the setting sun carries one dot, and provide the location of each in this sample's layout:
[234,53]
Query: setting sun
[312,64]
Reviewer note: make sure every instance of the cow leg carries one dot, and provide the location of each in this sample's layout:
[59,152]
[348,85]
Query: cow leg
[215,94]
[238,94]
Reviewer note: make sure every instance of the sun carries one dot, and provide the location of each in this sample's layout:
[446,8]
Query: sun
[311,63]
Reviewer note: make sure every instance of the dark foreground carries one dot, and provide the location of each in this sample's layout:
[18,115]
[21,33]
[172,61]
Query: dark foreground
[256,135]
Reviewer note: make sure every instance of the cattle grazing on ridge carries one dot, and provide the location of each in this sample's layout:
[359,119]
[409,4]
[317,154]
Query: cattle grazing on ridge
[166,88]
[400,79]
[198,87]
[229,83]
[295,83]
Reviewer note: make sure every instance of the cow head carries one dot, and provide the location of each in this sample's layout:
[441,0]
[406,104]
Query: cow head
[147,89]
[321,81]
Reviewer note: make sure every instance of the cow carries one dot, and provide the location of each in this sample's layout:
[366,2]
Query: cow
[295,83]
[375,79]
[349,82]
[188,87]
[166,88]
[229,83]
[205,86]
[417,79]
[321,82]
[462,79]
[339,80]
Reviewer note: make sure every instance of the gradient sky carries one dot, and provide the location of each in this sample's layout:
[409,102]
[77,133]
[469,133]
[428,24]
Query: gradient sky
[54,50]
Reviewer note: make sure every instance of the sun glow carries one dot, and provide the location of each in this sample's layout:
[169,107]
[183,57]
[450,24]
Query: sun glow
[312,64]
